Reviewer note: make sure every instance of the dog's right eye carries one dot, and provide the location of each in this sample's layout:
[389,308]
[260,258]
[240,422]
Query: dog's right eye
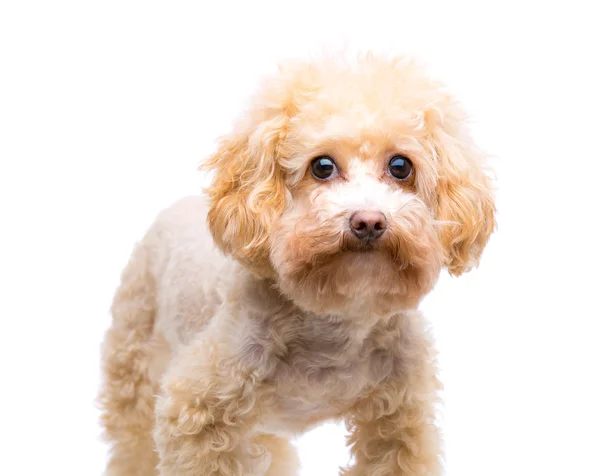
[323,167]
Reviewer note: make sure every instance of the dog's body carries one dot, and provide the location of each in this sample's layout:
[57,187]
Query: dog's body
[195,298]
[306,321]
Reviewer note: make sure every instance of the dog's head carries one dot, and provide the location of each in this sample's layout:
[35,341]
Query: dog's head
[351,185]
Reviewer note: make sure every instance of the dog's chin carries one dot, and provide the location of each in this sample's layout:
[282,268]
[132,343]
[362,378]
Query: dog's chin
[359,280]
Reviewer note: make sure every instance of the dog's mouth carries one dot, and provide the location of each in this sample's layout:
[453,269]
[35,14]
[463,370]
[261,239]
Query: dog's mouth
[352,244]
[359,247]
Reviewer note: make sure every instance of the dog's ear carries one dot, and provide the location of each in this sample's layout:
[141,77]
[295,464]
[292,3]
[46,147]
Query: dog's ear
[248,191]
[465,203]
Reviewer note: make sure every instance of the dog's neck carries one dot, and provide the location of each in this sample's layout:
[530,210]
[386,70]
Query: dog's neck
[264,300]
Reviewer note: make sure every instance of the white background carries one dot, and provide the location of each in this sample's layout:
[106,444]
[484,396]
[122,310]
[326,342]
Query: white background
[107,107]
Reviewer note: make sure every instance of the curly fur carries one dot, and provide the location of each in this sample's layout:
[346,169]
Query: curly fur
[294,322]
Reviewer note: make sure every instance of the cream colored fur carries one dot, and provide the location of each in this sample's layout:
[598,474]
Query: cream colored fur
[216,358]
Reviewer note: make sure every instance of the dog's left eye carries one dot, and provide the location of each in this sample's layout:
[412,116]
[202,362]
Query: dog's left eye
[323,167]
[400,167]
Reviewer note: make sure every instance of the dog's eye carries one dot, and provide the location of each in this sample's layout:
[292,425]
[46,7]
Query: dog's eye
[400,167]
[323,167]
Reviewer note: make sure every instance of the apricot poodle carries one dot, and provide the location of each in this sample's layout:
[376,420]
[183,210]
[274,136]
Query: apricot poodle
[336,201]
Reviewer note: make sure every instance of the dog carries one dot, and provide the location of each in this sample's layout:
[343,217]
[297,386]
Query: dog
[338,198]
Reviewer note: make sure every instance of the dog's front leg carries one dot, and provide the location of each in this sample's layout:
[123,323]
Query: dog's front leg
[393,432]
[210,402]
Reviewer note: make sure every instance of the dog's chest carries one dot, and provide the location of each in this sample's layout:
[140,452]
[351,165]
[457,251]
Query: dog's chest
[321,375]
[305,396]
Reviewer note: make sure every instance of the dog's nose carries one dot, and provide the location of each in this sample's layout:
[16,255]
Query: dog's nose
[368,225]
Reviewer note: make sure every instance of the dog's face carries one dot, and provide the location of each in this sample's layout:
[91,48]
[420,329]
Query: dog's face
[351,186]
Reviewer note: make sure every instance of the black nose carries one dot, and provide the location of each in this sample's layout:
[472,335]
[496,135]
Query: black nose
[368,226]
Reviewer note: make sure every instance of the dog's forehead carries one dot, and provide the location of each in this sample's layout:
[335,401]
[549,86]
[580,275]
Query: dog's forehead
[358,125]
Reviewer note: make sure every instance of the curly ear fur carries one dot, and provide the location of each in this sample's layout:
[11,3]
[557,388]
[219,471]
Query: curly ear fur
[465,201]
[248,191]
